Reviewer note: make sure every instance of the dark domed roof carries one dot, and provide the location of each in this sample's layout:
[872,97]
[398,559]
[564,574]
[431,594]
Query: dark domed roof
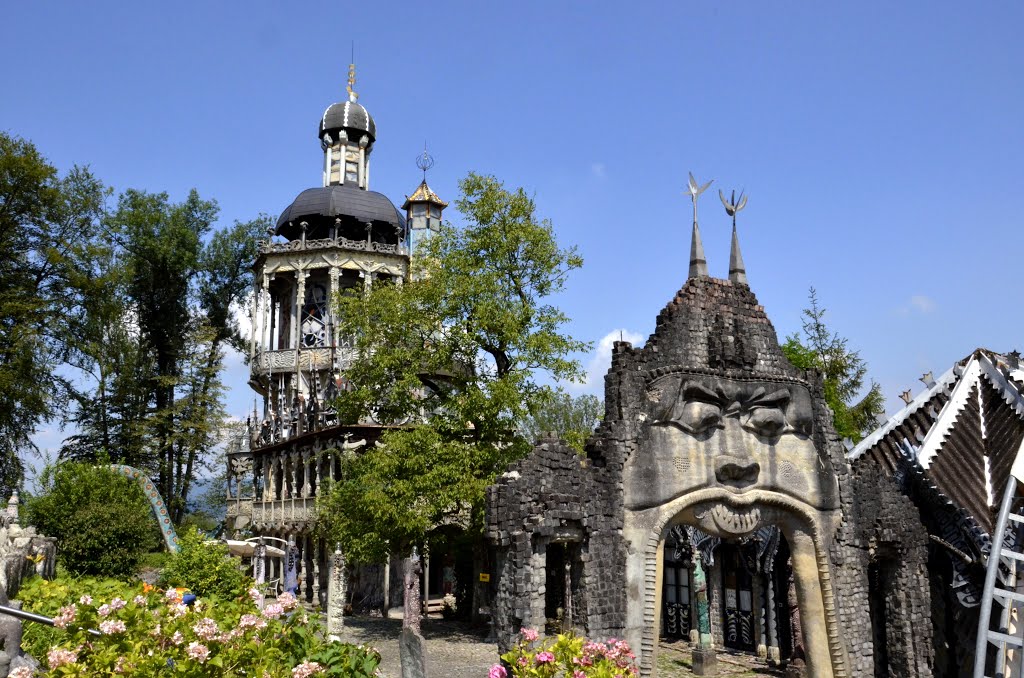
[348,115]
[337,201]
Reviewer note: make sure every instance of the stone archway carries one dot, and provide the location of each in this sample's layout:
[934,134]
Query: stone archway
[804,530]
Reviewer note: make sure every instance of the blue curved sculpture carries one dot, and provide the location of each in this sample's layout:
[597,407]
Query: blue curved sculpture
[163,516]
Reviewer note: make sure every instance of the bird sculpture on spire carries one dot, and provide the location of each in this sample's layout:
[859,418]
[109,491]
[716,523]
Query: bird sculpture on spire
[694,189]
[698,264]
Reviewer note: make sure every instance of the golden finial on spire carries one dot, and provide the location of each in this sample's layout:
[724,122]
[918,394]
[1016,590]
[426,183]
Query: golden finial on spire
[352,96]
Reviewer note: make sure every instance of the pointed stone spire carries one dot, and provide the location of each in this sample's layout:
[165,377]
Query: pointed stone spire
[737,271]
[698,264]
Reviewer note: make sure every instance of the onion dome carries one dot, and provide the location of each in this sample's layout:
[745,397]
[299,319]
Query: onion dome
[349,116]
[322,205]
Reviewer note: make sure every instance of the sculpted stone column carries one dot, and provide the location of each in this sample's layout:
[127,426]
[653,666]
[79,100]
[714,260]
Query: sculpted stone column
[337,593]
[300,301]
[332,301]
[306,468]
[810,603]
[254,320]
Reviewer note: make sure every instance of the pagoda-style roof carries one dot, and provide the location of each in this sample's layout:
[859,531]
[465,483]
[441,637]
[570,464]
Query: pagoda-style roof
[963,434]
[423,193]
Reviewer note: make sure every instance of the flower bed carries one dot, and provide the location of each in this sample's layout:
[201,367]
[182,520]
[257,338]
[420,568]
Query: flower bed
[149,633]
[566,656]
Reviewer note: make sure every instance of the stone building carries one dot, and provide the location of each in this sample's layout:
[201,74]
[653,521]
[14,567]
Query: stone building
[337,236]
[714,447]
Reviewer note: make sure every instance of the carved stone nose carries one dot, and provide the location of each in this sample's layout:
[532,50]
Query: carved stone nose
[733,471]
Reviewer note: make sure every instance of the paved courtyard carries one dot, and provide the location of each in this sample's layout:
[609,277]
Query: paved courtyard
[456,650]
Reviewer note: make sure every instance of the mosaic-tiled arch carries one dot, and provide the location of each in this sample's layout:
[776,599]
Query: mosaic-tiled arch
[163,516]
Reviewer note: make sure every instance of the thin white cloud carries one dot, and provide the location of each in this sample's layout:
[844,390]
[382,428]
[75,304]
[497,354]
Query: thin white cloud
[922,303]
[599,170]
[918,304]
[601,359]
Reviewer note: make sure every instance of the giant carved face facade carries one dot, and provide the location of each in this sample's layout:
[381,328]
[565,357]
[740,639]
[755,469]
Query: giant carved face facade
[745,440]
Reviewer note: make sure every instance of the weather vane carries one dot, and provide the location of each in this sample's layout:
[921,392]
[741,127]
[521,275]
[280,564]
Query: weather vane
[352,96]
[424,161]
[732,205]
[694,189]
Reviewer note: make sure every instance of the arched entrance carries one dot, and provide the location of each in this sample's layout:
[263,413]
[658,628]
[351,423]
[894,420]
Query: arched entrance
[747,580]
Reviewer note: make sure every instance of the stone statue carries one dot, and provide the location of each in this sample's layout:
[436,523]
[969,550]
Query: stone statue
[700,585]
[704,660]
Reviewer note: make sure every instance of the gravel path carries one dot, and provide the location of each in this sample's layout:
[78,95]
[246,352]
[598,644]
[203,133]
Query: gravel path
[454,649]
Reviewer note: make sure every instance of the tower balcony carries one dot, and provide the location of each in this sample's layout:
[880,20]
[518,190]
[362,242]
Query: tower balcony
[288,360]
[300,245]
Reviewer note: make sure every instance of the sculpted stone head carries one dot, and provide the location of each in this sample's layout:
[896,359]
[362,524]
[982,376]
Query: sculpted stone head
[723,414]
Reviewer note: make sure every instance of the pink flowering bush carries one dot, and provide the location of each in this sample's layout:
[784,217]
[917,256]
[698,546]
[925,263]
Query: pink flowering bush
[147,633]
[566,656]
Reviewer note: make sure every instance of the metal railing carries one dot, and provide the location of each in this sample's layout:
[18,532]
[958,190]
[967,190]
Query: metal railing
[38,618]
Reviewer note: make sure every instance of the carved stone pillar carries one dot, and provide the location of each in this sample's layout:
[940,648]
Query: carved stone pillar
[297,475]
[332,302]
[259,570]
[271,478]
[316,571]
[337,594]
[300,301]
[264,313]
[254,316]
[773,641]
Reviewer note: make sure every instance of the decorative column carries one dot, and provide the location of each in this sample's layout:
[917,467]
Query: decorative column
[297,475]
[316,571]
[300,300]
[332,276]
[264,318]
[337,593]
[259,570]
[254,329]
[704,659]
[773,642]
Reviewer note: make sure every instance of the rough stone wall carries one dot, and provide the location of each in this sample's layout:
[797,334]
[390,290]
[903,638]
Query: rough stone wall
[883,532]
[555,495]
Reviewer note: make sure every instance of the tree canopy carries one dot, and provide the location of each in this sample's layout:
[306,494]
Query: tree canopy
[114,320]
[571,418]
[457,350]
[48,228]
[843,370]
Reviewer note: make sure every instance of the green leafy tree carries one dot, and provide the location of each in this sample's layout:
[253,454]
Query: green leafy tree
[457,347]
[48,228]
[571,418]
[101,519]
[157,395]
[843,370]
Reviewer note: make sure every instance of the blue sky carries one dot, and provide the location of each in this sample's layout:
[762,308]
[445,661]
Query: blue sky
[879,142]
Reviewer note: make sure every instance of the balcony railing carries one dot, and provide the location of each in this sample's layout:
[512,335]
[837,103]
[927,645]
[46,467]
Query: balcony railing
[267,247]
[289,359]
[300,510]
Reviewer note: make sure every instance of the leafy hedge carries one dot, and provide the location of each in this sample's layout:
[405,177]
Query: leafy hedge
[205,568]
[101,520]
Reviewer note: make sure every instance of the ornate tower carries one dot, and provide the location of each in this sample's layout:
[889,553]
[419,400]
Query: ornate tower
[337,236]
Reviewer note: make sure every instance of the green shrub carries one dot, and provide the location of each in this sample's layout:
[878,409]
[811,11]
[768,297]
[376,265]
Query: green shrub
[101,519]
[47,597]
[205,568]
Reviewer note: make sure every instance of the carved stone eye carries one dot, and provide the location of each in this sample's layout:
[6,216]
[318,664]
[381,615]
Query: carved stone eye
[767,421]
[697,416]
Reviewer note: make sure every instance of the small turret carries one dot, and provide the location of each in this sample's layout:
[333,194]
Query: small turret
[423,208]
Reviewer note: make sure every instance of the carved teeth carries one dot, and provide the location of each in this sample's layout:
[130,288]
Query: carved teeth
[735,521]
